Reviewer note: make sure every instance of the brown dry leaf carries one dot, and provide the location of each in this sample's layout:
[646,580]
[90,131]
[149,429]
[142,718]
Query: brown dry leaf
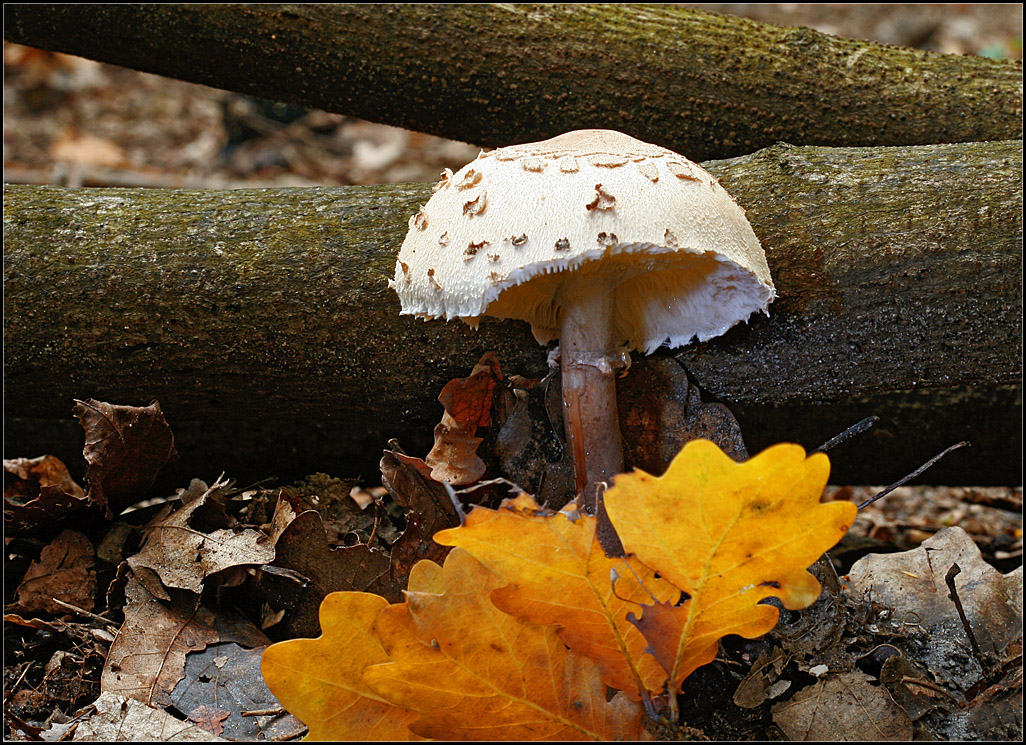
[476,673]
[992,710]
[468,405]
[911,687]
[430,506]
[35,623]
[183,549]
[38,492]
[529,450]
[557,573]
[147,659]
[844,707]
[302,548]
[125,448]
[729,535]
[661,411]
[211,720]
[912,584]
[996,712]
[757,685]
[65,571]
[453,457]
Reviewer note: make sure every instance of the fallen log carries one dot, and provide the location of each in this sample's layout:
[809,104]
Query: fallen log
[898,270]
[699,83]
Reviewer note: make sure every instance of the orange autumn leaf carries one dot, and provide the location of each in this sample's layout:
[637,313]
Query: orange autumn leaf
[557,573]
[518,635]
[469,400]
[729,535]
[474,672]
[320,681]
[468,405]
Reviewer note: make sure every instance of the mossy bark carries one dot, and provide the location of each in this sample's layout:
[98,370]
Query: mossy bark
[705,85]
[898,269]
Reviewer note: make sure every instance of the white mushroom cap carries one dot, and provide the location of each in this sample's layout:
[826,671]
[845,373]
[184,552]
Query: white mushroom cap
[499,236]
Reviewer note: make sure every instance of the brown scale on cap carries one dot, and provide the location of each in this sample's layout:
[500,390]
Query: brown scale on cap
[603,200]
[470,178]
[476,206]
[420,220]
[471,250]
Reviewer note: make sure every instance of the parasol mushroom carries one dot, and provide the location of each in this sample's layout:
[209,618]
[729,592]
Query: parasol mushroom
[607,243]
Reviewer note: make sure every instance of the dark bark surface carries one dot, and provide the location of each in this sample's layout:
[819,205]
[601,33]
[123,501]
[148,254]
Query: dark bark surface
[705,85]
[899,270]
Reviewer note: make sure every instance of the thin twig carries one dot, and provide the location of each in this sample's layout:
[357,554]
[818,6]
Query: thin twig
[167,654]
[949,580]
[853,430]
[912,475]
[84,612]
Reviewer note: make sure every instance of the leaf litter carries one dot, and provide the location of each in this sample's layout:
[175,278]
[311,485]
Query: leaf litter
[903,521]
[206,579]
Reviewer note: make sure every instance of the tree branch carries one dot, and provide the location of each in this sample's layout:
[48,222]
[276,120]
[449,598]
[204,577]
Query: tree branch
[898,269]
[705,85]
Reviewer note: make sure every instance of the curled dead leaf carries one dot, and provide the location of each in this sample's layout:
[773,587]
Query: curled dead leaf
[126,446]
[468,405]
[39,492]
[431,509]
[315,569]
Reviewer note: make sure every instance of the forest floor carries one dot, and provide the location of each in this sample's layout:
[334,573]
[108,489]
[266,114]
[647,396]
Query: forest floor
[74,122]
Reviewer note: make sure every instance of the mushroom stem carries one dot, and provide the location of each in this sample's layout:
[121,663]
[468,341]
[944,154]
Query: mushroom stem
[589,370]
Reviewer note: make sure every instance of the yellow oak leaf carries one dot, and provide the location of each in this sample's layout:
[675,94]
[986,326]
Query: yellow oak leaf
[426,576]
[320,680]
[729,535]
[474,672]
[557,573]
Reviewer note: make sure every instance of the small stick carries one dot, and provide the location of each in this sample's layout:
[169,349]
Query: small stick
[20,678]
[84,612]
[949,580]
[855,429]
[912,475]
